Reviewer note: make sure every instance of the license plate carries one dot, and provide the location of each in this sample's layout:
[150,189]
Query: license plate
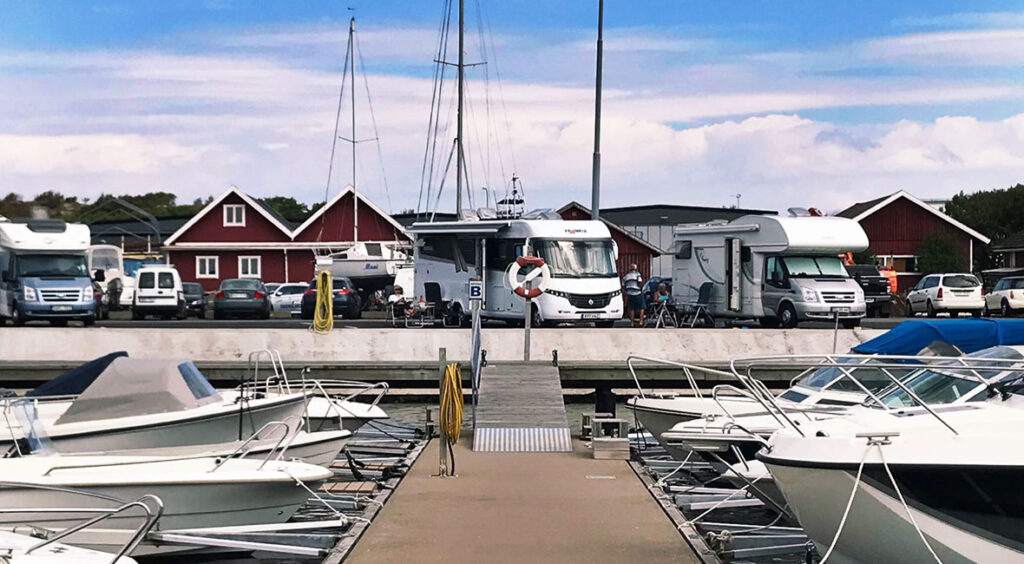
[237,295]
[590,316]
[61,308]
[839,309]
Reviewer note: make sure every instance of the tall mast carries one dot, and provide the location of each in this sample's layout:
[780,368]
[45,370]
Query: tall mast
[355,192]
[458,139]
[595,184]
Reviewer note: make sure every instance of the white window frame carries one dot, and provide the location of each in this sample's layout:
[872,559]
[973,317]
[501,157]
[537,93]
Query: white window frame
[241,215]
[216,266]
[259,266]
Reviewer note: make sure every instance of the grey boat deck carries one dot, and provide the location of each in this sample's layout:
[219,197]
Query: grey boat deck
[520,409]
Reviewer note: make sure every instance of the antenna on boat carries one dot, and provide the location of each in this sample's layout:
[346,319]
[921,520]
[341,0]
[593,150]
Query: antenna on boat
[355,191]
[595,186]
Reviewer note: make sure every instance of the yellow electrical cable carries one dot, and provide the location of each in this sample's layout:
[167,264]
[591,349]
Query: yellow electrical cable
[323,311]
[451,402]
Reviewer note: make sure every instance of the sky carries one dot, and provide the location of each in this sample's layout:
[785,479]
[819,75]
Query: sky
[772,104]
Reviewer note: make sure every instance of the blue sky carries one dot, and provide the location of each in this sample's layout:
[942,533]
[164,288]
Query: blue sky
[791,104]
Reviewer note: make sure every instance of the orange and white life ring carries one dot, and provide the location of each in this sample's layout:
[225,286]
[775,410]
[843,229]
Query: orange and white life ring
[540,270]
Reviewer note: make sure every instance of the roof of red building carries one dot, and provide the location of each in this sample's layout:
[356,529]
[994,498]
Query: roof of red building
[861,210]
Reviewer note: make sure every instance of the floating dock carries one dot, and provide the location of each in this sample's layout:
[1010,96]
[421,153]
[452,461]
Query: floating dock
[521,507]
[520,409]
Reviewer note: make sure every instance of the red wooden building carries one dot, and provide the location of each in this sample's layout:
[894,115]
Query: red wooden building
[897,224]
[632,249]
[238,236]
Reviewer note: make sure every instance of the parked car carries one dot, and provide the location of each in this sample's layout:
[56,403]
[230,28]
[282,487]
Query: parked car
[241,296]
[346,302]
[1006,297]
[287,297]
[272,287]
[158,291]
[195,299]
[955,292]
[877,293]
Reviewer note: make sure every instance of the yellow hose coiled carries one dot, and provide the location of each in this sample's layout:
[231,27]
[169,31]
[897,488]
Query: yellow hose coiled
[451,402]
[323,311]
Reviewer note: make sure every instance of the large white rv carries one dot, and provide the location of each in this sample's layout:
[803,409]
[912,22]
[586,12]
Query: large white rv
[584,285]
[780,270]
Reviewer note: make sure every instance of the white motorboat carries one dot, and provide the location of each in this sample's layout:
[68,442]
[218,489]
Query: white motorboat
[196,492]
[17,548]
[367,264]
[144,403]
[909,485]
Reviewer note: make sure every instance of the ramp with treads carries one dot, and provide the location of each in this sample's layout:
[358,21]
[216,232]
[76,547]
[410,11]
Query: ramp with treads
[520,409]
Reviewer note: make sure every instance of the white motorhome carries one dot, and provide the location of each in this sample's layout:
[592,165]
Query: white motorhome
[119,287]
[43,272]
[780,270]
[584,285]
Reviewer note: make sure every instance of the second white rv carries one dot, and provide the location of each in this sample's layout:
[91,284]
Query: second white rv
[584,284]
[779,270]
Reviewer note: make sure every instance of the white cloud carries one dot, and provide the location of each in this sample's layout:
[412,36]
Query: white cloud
[91,154]
[987,46]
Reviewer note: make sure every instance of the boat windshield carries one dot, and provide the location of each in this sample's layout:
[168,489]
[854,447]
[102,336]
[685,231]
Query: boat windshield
[105,259]
[939,386]
[579,258]
[814,267]
[871,377]
[47,265]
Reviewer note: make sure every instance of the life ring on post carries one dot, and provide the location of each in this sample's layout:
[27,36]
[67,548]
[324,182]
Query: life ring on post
[540,270]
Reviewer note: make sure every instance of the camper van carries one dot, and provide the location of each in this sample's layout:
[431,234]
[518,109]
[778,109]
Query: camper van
[44,274]
[584,285]
[780,270]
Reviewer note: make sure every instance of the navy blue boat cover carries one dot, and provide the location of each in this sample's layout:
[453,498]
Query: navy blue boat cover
[968,335]
[76,380]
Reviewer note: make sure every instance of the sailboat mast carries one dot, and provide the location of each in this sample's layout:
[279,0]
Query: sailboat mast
[458,139]
[355,192]
[595,185]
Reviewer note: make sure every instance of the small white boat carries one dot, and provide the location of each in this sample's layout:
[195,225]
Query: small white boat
[196,492]
[17,548]
[144,403]
[368,264]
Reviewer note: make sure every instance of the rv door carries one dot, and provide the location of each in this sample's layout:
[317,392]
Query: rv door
[6,283]
[774,285]
[734,273]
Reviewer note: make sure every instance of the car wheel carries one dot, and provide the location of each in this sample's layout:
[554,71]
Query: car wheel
[59,322]
[976,313]
[17,318]
[769,322]
[266,313]
[930,309]
[1004,309]
[202,313]
[910,309]
[89,322]
[787,316]
[137,315]
[850,323]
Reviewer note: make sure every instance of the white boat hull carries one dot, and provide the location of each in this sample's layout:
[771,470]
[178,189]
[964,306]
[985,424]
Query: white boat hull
[13,547]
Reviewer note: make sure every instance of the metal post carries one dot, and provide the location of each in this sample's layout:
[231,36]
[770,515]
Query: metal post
[835,334]
[595,197]
[526,324]
[458,139]
[442,464]
[355,192]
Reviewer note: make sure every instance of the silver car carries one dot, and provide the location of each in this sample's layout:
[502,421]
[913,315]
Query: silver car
[288,297]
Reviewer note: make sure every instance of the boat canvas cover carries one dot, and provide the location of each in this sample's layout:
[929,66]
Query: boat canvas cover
[968,335]
[76,380]
[130,387]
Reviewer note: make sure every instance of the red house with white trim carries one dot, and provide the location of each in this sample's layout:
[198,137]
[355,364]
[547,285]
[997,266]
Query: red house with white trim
[238,236]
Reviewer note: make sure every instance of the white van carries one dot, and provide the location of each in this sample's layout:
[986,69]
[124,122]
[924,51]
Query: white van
[158,291]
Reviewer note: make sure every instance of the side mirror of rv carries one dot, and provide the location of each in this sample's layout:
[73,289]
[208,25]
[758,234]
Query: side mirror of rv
[100,275]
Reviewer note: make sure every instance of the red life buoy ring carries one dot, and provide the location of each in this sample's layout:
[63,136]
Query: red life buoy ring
[541,270]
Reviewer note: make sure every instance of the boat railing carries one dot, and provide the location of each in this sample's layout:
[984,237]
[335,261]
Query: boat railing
[276,366]
[748,395]
[243,448]
[973,368]
[688,370]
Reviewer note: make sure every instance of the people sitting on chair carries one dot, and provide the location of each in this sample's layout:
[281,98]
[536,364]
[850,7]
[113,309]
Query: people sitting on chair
[661,294]
[401,306]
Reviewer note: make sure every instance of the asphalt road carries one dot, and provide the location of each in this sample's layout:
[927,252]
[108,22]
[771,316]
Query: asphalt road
[371,319]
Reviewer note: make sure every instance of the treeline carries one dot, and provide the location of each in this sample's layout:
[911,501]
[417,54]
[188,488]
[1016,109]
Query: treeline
[159,204]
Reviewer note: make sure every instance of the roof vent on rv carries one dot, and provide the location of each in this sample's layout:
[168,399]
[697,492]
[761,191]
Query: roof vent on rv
[47,225]
[804,212]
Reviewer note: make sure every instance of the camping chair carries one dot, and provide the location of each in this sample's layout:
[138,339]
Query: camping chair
[437,308]
[662,314]
[699,311]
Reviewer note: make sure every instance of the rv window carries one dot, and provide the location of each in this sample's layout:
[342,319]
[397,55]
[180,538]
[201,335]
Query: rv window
[50,265]
[4,260]
[467,247]
[519,251]
[105,259]
[437,247]
[773,272]
[812,267]
[684,250]
[501,252]
[581,258]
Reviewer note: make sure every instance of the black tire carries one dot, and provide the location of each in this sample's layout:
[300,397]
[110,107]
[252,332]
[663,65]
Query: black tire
[265,314]
[137,315]
[89,322]
[1005,310]
[606,324]
[17,318]
[58,322]
[769,322]
[535,319]
[787,316]
[358,313]
[201,314]
[849,323]
[976,313]
[218,314]
[910,309]
[930,309]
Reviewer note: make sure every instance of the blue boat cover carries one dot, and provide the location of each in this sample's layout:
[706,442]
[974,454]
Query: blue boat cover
[968,335]
[76,380]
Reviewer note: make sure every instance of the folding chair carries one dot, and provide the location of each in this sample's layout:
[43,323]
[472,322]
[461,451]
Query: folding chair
[436,306]
[699,311]
[663,315]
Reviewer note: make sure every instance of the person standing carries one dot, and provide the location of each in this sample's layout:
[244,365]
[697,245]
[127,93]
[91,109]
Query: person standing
[633,283]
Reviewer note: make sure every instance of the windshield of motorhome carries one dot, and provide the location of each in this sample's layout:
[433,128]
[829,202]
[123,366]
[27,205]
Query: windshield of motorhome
[578,259]
[105,259]
[51,265]
[809,267]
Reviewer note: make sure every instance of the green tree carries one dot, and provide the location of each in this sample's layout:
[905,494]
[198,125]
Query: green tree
[938,253]
[288,208]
